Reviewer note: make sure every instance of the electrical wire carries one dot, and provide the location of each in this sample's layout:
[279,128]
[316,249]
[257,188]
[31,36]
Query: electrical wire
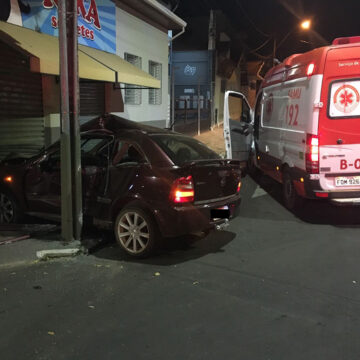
[262,45]
[175,6]
[250,20]
[262,57]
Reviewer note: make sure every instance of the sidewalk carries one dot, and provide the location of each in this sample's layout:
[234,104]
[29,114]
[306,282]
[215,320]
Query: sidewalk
[214,139]
[19,244]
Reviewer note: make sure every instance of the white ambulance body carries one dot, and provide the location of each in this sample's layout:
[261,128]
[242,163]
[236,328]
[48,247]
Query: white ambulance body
[305,129]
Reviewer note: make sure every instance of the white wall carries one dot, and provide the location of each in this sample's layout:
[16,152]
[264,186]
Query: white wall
[136,37]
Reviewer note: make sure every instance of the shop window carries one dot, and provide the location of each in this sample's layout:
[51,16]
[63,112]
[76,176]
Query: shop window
[155,97]
[133,93]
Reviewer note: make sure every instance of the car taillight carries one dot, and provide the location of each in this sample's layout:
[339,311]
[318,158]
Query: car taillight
[238,187]
[8,179]
[182,190]
[312,154]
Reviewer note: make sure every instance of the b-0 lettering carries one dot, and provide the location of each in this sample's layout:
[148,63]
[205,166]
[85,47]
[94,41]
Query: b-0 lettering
[344,164]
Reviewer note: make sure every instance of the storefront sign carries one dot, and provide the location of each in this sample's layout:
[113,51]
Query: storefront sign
[96,20]
[189,70]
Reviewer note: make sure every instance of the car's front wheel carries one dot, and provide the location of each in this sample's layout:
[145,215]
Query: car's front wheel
[9,210]
[136,232]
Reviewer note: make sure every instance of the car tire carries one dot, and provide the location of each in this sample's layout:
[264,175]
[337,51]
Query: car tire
[136,232]
[10,212]
[291,198]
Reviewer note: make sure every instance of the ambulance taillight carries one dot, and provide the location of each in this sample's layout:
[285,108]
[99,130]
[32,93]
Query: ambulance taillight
[310,69]
[312,154]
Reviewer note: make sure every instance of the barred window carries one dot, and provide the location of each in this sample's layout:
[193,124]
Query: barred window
[133,96]
[155,97]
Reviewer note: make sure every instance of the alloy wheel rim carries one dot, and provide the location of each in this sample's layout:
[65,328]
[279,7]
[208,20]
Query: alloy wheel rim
[133,232]
[6,210]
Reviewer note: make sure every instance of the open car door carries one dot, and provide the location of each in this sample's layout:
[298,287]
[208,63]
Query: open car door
[238,126]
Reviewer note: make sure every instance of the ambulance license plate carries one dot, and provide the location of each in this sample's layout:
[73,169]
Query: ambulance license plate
[347,181]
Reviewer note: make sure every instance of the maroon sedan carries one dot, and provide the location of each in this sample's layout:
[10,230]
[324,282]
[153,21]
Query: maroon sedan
[140,181]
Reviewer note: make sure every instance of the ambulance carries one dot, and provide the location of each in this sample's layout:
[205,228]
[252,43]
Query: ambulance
[305,129]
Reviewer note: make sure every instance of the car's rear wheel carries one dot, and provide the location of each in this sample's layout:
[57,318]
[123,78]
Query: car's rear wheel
[9,210]
[291,198]
[136,232]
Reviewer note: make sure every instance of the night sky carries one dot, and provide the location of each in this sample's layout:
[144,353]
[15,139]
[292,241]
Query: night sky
[260,19]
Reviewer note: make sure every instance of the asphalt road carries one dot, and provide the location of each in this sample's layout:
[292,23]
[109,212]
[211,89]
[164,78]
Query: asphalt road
[273,286]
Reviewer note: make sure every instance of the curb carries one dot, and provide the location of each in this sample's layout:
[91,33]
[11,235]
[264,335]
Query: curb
[57,253]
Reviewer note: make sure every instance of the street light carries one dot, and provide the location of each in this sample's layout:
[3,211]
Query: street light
[304,25]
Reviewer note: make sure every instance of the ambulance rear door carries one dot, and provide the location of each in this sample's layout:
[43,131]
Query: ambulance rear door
[238,126]
[339,122]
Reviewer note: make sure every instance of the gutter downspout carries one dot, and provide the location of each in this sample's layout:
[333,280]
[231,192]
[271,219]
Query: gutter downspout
[178,34]
[171,123]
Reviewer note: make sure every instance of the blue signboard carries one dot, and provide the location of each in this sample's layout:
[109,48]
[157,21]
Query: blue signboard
[96,21]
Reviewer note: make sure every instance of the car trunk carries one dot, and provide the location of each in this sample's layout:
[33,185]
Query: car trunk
[213,179]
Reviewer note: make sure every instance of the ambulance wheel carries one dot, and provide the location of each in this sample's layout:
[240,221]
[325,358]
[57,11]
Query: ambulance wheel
[291,198]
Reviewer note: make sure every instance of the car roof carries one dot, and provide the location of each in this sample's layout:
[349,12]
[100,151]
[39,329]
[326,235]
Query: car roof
[116,124]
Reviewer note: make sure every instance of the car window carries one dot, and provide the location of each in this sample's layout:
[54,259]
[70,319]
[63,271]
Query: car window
[182,149]
[127,152]
[93,149]
[238,109]
[94,145]
[87,144]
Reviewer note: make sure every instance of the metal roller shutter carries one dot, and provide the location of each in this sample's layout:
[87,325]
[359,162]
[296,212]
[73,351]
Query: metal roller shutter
[92,97]
[21,105]
[21,136]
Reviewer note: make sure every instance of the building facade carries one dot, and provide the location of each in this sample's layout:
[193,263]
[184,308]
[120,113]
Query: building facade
[225,58]
[123,66]
[146,47]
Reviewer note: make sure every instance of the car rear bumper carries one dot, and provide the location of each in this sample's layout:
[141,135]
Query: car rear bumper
[182,220]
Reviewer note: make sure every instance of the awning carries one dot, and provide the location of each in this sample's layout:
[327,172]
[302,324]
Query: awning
[124,71]
[93,64]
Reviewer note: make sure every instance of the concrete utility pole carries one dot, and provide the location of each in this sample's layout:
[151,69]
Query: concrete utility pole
[198,108]
[212,54]
[172,97]
[274,52]
[71,193]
